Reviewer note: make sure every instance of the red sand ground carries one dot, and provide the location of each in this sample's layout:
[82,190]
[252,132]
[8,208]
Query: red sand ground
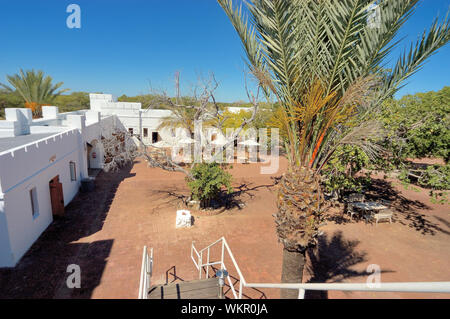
[104,232]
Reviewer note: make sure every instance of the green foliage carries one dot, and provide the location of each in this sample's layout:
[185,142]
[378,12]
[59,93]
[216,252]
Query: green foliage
[234,120]
[343,172]
[418,125]
[9,99]
[72,102]
[434,177]
[208,181]
[146,100]
[33,86]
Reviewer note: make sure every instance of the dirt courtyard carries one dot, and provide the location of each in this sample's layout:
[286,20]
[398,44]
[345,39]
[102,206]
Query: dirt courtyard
[104,233]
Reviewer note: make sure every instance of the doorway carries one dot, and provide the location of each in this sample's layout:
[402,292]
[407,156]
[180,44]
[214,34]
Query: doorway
[88,154]
[56,197]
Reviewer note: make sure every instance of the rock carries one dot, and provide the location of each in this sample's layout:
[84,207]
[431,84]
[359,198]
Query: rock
[183,218]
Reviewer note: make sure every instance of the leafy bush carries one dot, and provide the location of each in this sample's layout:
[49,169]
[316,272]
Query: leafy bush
[343,173]
[208,181]
[419,125]
[436,177]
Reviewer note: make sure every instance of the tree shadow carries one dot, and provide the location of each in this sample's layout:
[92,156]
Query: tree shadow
[223,202]
[406,211]
[332,261]
[42,271]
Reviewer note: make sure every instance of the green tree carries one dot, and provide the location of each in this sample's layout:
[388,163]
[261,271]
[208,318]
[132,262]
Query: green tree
[419,125]
[207,181]
[321,60]
[35,88]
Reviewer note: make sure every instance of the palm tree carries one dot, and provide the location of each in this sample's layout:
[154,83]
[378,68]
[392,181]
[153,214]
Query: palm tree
[34,88]
[324,62]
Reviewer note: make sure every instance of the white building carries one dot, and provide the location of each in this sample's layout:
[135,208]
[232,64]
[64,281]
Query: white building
[42,161]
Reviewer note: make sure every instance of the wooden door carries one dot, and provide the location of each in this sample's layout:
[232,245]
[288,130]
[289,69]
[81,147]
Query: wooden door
[56,197]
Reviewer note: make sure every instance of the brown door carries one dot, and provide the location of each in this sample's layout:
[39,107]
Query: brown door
[56,197]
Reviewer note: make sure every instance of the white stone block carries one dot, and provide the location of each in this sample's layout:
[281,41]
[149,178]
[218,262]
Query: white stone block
[183,218]
[50,112]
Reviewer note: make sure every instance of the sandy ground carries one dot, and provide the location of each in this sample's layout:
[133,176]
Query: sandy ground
[104,233]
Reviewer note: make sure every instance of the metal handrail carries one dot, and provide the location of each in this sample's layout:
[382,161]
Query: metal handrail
[428,287]
[146,273]
[425,287]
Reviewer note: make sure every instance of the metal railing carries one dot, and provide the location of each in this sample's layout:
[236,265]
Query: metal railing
[146,273]
[425,287]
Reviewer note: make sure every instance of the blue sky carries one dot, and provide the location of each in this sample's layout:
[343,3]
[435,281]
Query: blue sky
[122,45]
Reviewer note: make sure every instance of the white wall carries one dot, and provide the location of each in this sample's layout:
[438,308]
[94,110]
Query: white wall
[34,166]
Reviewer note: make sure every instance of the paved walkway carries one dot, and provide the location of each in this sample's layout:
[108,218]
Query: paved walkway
[104,232]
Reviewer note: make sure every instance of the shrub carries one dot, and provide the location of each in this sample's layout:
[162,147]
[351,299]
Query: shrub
[343,172]
[208,181]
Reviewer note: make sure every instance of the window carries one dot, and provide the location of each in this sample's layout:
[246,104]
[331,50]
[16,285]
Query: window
[155,137]
[130,130]
[145,132]
[34,202]
[173,132]
[73,171]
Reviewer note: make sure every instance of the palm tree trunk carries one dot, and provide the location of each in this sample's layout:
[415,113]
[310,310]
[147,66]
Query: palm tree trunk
[292,272]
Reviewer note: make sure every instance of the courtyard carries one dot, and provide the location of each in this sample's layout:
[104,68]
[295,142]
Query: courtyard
[104,233]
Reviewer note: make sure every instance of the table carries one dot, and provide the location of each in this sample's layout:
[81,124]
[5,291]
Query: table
[369,206]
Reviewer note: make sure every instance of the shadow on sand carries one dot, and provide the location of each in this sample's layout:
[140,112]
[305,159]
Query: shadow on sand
[42,271]
[332,261]
[406,211]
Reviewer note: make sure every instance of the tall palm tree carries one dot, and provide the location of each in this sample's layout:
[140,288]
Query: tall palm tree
[35,88]
[324,62]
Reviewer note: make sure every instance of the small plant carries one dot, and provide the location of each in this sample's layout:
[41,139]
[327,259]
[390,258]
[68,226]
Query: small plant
[207,182]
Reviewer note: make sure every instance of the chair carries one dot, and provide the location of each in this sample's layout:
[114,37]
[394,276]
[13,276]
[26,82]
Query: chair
[353,198]
[385,213]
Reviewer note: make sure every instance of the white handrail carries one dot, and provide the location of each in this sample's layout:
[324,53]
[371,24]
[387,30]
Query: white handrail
[424,287]
[437,286]
[146,273]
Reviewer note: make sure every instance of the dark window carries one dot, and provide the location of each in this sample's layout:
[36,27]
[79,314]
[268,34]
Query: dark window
[73,171]
[154,137]
[145,132]
[34,202]
[130,130]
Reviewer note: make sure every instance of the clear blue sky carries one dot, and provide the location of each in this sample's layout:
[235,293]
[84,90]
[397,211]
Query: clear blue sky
[123,44]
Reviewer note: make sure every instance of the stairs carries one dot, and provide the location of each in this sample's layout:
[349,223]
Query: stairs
[195,289]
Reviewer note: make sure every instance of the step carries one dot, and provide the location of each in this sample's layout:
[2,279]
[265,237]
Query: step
[195,289]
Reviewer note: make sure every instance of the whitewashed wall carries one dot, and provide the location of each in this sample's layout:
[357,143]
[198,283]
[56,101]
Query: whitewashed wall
[34,166]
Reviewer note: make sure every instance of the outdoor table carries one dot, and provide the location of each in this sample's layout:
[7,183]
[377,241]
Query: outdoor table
[369,206]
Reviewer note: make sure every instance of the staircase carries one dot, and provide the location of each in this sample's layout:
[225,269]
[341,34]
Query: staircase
[195,289]
[208,288]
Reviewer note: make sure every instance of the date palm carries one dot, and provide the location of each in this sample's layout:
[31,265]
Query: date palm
[35,88]
[323,60]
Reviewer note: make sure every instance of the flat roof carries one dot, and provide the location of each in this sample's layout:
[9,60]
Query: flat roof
[7,143]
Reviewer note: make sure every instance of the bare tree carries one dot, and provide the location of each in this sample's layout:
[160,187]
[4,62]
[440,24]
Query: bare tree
[119,150]
[207,110]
